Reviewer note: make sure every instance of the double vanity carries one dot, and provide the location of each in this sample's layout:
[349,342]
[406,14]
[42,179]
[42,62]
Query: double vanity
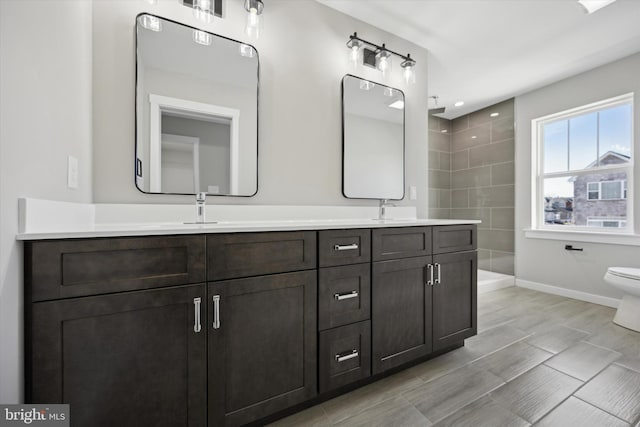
[209,327]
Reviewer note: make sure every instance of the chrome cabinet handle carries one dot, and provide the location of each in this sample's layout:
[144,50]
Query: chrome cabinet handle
[216,312]
[197,327]
[430,268]
[345,247]
[438,277]
[350,355]
[346,295]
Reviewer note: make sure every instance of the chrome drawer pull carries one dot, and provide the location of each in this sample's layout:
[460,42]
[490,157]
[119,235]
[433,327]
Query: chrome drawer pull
[216,312]
[439,276]
[341,358]
[347,295]
[346,247]
[197,327]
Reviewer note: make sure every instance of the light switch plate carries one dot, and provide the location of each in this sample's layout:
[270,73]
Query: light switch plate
[72,172]
[413,193]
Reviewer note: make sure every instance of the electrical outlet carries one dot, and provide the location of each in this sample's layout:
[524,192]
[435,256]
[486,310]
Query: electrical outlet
[72,172]
[413,193]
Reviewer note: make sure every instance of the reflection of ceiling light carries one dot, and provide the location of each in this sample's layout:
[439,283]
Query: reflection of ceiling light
[150,23]
[366,85]
[152,1]
[247,51]
[494,114]
[398,105]
[473,137]
[201,37]
[444,131]
[459,104]
[388,91]
[592,5]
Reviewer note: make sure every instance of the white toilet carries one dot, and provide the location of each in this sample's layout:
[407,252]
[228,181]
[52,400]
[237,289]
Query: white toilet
[627,280]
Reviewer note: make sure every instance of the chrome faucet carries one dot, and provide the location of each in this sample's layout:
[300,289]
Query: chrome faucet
[201,199]
[384,203]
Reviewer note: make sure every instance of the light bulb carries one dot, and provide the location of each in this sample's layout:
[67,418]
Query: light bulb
[203,10]
[253,23]
[384,62]
[201,37]
[409,74]
[151,23]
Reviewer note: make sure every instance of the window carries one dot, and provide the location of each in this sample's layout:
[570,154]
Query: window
[607,190]
[583,164]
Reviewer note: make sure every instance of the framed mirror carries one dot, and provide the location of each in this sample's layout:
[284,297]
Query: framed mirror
[372,140]
[196,111]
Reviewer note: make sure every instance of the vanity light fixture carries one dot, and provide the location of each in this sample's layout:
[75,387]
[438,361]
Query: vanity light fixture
[398,105]
[150,23]
[254,9]
[379,57]
[591,6]
[202,37]
[409,72]
[203,10]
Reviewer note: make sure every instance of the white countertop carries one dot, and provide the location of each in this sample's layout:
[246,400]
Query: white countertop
[151,229]
[46,219]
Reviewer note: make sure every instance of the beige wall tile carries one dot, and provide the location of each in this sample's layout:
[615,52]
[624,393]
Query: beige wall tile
[493,153]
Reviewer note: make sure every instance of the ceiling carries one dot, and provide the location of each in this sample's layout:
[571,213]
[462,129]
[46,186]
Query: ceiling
[485,51]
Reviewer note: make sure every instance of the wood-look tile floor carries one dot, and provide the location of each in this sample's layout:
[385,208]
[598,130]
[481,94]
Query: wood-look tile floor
[538,359]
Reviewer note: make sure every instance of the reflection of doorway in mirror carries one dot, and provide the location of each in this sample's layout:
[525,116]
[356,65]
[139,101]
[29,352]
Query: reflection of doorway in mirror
[216,128]
[180,164]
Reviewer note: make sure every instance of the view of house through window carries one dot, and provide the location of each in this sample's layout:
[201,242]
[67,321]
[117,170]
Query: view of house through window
[585,164]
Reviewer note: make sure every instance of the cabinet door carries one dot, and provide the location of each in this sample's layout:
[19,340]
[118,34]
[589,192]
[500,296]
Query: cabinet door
[400,313]
[454,298]
[126,359]
[262,349]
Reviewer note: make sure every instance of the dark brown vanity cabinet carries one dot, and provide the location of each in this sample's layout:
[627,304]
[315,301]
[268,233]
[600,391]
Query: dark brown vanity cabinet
[423,298]
[227,329]
[344,307]
[120,358]
[262,327]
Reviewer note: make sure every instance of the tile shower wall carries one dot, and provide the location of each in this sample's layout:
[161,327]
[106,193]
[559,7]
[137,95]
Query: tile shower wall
[439,168]
[477,150]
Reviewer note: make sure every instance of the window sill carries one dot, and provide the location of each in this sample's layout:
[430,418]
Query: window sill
[585,236]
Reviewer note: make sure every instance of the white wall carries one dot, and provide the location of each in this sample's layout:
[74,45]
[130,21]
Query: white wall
[45,115]
[546,261]
[302,61]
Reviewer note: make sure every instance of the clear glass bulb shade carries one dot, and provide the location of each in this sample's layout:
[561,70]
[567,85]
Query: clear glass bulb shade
[151,23]
[384,62]
[247,51]
[409,74]
[202,37]
[203,10]
[254,23]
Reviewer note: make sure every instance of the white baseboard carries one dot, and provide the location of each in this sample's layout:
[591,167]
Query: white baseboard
[570,293]
[494,285]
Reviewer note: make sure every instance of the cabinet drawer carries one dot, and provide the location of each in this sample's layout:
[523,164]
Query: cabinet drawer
[345,355]
[393,243]
[344,295]
[251,254]
[342,247]
[454,238]
[70,268]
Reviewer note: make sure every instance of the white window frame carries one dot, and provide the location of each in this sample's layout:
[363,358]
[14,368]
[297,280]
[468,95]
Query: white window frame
[623,190]
[537,181]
